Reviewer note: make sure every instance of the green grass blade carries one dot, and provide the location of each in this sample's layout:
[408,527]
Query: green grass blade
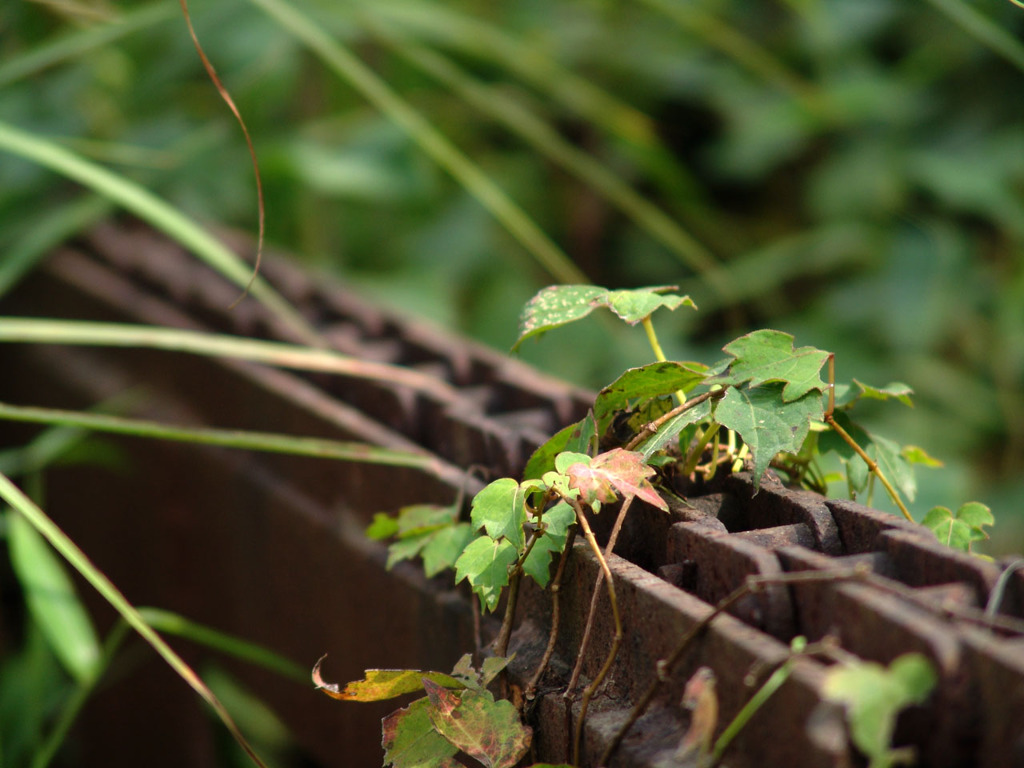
[82,41]
[44,755]
[744,51]
[351,69]
[547,141]
[52,601]
[157,212]
[50,230]
[984,30]
[448,26]
[175,624]
[170,624]
[81,563]
[226,438]
[34,331]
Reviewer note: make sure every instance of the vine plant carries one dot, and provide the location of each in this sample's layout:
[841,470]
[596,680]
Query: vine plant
[763,406]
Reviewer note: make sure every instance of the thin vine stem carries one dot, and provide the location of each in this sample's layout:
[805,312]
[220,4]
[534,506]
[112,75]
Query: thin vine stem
[556,585]
[588,693]
[596,596]
[750,585]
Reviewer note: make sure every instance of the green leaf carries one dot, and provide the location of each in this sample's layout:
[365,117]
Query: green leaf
[384,526]
[634,305]
[419,527]
[769,356]
[874,697]
[485,563]
[644,383]
[565,460]
[917,455]
[893,465]
[671,429]
[618,469]
[959,531]
[557,520]
[487,730]
[896,389]
[383,684]
[554,306]
[558,305]
[445,547]
[411,741]
[767,423]
[52,600]
[499,508]
[577,438]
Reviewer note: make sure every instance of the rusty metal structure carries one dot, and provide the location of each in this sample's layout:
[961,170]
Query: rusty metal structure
[272,548]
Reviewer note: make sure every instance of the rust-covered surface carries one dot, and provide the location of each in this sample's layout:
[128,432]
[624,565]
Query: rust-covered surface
[272,548]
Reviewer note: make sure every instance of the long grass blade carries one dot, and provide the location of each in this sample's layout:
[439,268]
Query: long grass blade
[983,29]
[81,563]
[80,41]
[157,212]
[227,438]
[80,332]
[548,142]
[351,69]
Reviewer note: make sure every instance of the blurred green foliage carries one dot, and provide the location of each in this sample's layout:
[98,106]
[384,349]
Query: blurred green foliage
[850,172]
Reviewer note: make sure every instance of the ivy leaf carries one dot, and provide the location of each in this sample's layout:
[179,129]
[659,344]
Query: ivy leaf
[618,469]
[874,696]
[894,465]
[558,305]
[671,429]
[487,730]
[896,389]
[634,305]
[485,563]
[577,438]
[769,356]
[411,741]
[557,520]
[417,527]
[445,547]
[382,684]
[767,423]
[644,383]
[499,508]
[959,531]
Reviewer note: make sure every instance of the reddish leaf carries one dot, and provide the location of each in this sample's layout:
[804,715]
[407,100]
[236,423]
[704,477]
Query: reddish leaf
[411,741]
[487,730]
[699,697]
[381,684]
[623,470]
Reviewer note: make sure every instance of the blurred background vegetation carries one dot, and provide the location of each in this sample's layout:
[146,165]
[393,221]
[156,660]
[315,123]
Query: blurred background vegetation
[850,171]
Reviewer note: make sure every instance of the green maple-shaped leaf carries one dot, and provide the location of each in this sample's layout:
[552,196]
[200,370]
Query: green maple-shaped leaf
[485,563]
[646,382]
[617,470]
[557,305]
[411,741]
[960,530]
[499,508]
[874,697]
[768,424]
[489,731]
[382,684]
[556,530]
[769,356]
